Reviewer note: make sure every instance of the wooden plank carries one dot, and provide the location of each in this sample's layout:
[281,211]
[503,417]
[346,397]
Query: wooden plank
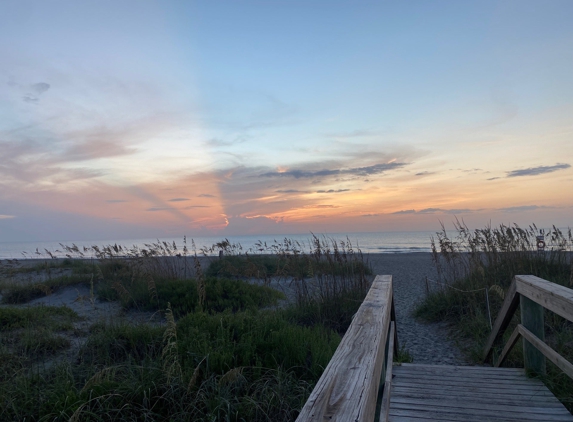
[503,318]
[481,399]
[348,387]
[556,298]
[470,371]
[408,416]
[473,381]
[466,375]
[474,375]
[458,368]
[476,382]
[452,381]
[532,319]
[508,346]
[522,389]
[479,414]
[517,413]
[458,404]
[466,385]
[516,394]
[386,394]
[551,354]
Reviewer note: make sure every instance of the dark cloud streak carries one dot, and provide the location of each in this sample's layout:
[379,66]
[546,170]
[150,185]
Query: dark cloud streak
[535,171]
[357,171]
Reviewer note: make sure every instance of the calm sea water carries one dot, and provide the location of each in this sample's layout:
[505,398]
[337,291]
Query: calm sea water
[385,242]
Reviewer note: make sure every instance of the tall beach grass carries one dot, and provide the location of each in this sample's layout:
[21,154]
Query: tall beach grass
[475,269]
[228,347]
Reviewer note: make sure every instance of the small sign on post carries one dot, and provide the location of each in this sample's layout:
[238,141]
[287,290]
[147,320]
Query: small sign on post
[541,243]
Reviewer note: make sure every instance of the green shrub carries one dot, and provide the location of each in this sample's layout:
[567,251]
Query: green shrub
[259,339]
[221,294]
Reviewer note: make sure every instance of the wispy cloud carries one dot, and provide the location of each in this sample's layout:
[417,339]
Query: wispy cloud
[333,191]
[205,195]
[321,206]
[30,93]
[437,211]
[357,171]
[290,191]
[115,201]
[430,210]
[178,199]
[424,173]
[405,212]
[5,217]
[535,171]
[522,208]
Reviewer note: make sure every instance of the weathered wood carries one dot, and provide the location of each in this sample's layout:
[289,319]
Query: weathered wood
[466,398]
[442,413]
[467,375]
[385,403]
[479,400]
[458,405]
[466,380]
[508,346]
[469,385]
[348,387]
[503,318]
[551,354]
[556,298]
[443,368]
[532,319]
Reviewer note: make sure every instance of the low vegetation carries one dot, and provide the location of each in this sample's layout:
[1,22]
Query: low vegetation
[476,269]
[229,347]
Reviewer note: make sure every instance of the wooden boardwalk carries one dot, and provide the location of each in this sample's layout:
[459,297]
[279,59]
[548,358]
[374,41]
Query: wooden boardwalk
[470,393]
[361,384]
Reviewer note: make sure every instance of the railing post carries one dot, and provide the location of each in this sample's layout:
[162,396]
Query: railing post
[532,319]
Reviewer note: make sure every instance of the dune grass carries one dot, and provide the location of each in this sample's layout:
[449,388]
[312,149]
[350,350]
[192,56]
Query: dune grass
[489,258]
[230,348]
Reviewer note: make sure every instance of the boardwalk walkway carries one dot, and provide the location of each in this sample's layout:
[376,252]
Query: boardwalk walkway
[361,383]
[470,393]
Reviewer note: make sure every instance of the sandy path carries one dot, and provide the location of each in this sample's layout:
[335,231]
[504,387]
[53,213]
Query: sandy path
[427,343]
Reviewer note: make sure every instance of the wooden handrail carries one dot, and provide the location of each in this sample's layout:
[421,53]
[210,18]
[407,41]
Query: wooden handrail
[552,296]
[529,289]
[348,387]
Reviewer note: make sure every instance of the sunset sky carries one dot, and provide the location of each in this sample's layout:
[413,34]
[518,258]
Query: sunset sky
[127,119]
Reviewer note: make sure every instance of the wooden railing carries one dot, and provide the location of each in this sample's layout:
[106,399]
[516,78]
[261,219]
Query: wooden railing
[532,294]
[348,389]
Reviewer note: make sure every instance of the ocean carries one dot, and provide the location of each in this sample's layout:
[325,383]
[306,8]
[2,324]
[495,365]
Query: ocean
[383,242]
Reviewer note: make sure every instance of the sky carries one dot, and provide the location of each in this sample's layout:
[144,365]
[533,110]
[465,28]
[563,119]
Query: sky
[133,119]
